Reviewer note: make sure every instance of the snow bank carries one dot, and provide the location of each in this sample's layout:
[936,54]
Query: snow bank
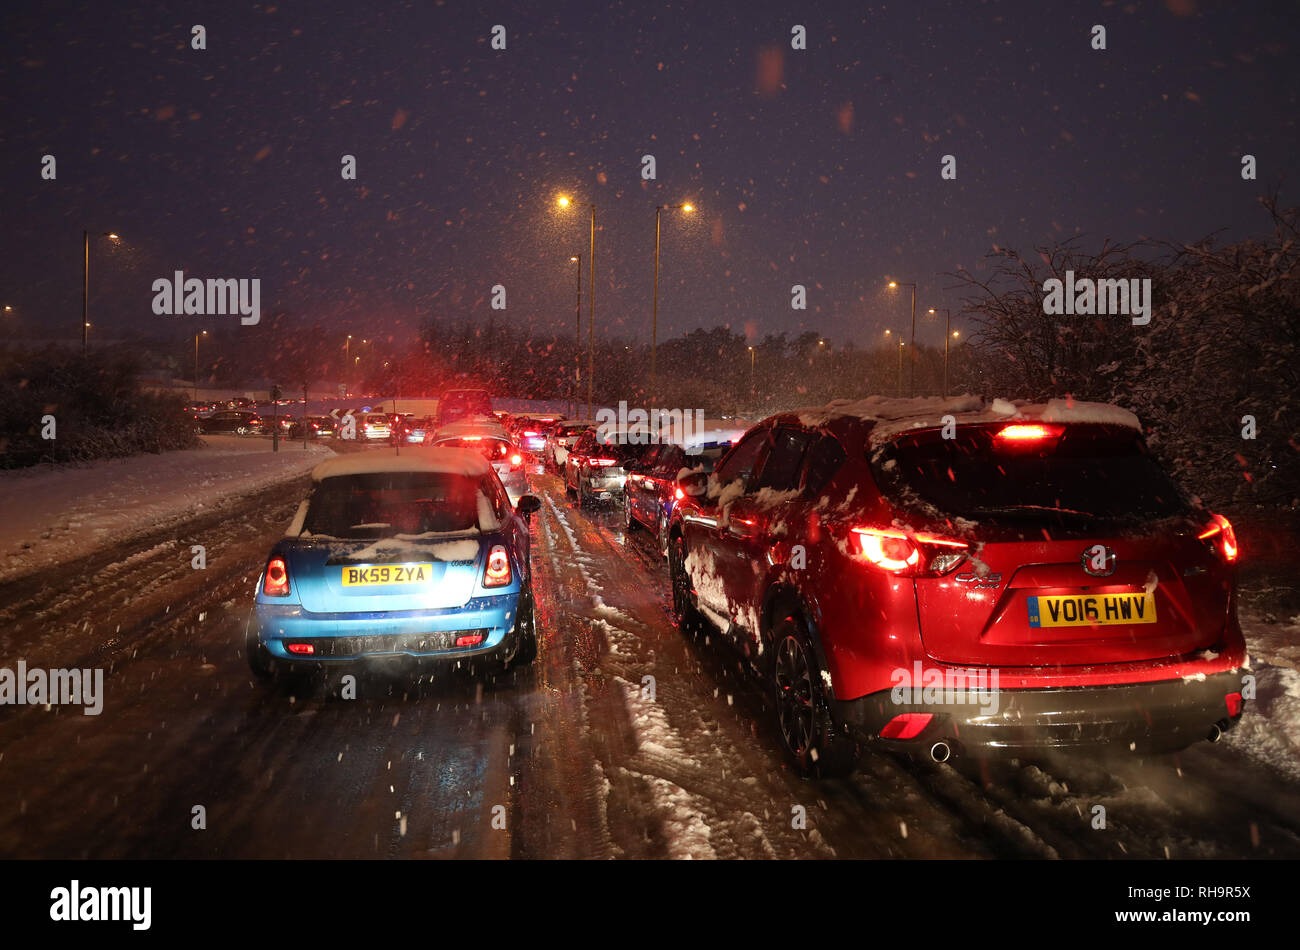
[47,517]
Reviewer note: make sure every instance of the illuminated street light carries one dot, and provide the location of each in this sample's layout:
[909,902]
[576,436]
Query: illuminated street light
[894,285]
[85,286]
[564,202]
[654,319]
[196,361]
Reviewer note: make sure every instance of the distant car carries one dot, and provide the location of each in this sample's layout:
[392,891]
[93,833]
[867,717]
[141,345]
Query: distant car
[593,468]
[374,426]
[561,438]
[236,421]
[1033,561]
[458,404]
[240,402]
[317,427]
[418,430]
[420,556]
[651,490]
[493,442]
[530,430]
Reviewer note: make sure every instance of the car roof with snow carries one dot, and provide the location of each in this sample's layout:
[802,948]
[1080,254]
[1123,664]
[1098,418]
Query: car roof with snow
[447,461]
[889,417]
[481,428]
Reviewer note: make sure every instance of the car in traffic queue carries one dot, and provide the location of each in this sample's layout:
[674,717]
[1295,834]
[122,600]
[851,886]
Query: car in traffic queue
[593,468]
[651,490]
[231,421]
[314,427]
[530,428]
[456,404]
[419,429]
[375,426]
[1032,560]
[419,555]
[560,438]
[491,440]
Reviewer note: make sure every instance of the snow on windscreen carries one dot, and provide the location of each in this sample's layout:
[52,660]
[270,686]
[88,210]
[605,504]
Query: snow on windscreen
[449,461]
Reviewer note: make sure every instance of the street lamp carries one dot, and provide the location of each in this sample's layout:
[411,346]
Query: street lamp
[893,285]
[654,320]
[751,372]
[565,202]
[577,335]
[196,362]
[947,335]
[85,286]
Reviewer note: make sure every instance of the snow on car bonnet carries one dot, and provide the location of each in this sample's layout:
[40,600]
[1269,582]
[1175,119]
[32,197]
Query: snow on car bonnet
[465,462]
[893,416]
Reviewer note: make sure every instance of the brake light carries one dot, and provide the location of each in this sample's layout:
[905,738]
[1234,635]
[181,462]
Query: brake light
[1222,527]
[497,572]
[275,582]
[679,494]
[900,553]
[1021,432]
[516,459]
[594,463]
[530,433]
[906,726]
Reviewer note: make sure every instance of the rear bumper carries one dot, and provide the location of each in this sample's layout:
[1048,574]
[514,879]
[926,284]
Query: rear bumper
[1155,716]
[418,634]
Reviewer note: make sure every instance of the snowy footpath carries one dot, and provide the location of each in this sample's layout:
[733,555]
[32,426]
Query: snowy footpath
[48,516]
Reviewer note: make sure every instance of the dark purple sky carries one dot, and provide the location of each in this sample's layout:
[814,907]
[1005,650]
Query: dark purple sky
[225,162]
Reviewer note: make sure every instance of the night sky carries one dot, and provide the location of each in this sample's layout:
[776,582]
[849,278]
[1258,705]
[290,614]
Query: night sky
[818,167]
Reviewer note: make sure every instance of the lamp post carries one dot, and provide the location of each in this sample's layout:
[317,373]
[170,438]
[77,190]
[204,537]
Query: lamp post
[751,372]
[591,302]
[947,335]
[196,362]
[577,336]
[654,319]
[85,287]
[894,284]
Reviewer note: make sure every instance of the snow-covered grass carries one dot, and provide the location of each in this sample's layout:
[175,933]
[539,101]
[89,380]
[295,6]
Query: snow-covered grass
[49,516]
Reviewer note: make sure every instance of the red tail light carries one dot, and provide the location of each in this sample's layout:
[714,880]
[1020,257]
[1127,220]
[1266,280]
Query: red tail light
[516,459]
[1220,528]
[275,582]
[597,463]
[530,433]
[906,726]
[1021,432]
[678,494]
[497,572]
[302,649]
[899,553]
[469,640]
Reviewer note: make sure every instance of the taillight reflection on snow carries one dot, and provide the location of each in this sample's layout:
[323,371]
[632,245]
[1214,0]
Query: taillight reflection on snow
[906,726]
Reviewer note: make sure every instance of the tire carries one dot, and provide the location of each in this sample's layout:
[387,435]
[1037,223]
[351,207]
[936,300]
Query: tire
[259,658]
[526,624]
[819,746]
[684,610]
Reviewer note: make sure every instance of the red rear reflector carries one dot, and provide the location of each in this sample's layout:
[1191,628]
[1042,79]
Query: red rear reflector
[1020,432]
[906,726]
[497,572]
[1234,703]
[469,640]
[302,649]
[275,583]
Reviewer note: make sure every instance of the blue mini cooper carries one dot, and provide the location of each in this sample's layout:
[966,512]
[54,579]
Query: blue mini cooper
[419,555]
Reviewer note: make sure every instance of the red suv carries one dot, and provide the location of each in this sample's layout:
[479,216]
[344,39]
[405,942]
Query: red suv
[952,576]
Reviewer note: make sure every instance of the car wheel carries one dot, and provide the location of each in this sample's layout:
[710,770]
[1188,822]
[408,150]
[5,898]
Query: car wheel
[684,610]
[259,658]
[819,746]
[526,624]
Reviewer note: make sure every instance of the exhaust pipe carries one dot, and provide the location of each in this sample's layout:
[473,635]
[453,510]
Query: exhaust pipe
[1216,733]
[940,751]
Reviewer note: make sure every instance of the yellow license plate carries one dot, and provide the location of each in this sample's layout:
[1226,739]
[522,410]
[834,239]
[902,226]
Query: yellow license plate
[383,575]
[1092,610]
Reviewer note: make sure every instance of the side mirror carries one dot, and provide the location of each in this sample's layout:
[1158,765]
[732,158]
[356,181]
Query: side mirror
[693,484]
[528,504]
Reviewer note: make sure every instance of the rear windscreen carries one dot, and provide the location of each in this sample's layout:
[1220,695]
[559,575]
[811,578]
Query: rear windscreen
[381,505]
[1087,472]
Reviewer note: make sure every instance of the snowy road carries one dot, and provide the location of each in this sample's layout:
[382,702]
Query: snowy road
[626,739]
